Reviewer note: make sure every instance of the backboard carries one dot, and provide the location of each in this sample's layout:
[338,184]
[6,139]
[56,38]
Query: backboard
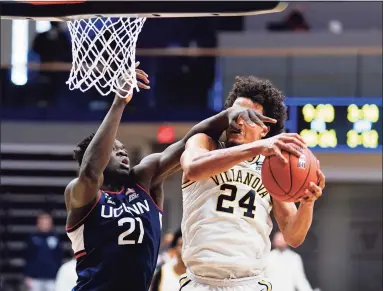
[89,9]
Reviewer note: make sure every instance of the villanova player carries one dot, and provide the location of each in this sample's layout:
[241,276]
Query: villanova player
[114,211]
[226,209]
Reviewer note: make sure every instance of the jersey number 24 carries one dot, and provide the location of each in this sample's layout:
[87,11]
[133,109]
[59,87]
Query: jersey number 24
[247,202]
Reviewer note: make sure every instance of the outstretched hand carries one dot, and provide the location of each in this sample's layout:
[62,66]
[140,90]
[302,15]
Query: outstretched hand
[250,116]
[314,191]
[140,75]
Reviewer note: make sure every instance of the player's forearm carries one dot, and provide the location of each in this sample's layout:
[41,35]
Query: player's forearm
[170,158]
[215,162]
[213,126]
[98,153]
[298,226]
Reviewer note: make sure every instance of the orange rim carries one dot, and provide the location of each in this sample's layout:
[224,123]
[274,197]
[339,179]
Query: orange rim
[55,2]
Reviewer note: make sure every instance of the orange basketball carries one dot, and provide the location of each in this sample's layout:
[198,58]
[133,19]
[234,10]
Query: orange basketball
[287,182]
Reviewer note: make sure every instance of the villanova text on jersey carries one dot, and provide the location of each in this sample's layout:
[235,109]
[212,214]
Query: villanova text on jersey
[117,243]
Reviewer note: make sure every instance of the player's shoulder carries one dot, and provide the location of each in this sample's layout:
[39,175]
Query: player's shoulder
[143,172]
[70,186]
[146,165]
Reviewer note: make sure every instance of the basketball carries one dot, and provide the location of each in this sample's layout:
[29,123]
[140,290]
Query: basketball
[287,182]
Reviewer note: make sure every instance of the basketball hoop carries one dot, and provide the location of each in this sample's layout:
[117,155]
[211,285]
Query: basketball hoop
[104,33]
[103,54]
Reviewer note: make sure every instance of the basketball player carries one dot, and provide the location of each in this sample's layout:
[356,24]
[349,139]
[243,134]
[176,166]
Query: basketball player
[226,209]
[114,210]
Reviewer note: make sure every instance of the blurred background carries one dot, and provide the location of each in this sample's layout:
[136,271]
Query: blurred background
[327,59]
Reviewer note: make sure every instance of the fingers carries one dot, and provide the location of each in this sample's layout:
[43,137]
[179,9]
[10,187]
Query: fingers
[293,138]
[142,77]
[143,86]
[312,193]
[234,125]
[288,148]
[255,118]
[138,71]
[250,121]
[252,117]
[314,189]
[321,179]
[296,136]
[267,119]
[277,152]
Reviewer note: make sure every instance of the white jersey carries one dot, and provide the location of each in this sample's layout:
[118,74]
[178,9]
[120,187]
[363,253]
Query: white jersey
[226,223]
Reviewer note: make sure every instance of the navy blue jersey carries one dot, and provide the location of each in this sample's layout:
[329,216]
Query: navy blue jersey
[117,243]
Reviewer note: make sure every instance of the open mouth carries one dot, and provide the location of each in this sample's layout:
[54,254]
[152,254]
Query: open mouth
[125,161]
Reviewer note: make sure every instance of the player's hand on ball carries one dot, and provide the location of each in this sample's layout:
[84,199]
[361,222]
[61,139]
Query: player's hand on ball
[289,142]
[250,116]
[314,191]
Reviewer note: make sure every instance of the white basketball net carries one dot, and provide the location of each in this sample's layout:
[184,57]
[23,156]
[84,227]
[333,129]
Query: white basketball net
[103,54]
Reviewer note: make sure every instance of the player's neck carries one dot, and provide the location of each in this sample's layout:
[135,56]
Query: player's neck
[114,183]
[112,187]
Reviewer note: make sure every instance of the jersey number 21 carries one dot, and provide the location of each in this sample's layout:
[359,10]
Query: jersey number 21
[132,226]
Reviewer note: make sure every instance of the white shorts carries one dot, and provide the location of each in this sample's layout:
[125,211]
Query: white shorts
[193,283]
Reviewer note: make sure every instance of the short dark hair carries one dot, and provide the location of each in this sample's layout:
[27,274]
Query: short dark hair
[78,153]
[176,237]
[262,92]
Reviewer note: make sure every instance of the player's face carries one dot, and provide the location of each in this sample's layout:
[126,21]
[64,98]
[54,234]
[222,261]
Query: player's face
[247,133]
[119,162]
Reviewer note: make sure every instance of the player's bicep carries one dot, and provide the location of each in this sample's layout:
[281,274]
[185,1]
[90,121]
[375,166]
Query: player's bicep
[196,146]
[283,213]
[81,191]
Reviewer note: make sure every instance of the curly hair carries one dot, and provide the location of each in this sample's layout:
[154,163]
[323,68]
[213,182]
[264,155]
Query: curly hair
[78,153]
[261,92]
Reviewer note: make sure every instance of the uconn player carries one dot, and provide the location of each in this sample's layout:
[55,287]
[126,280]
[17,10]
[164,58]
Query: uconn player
[226,209]
[114,211]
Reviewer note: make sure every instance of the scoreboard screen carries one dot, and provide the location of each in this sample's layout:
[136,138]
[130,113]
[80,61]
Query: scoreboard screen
[338,124]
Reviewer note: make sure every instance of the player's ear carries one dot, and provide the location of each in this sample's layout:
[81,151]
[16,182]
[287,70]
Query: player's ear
[265,131]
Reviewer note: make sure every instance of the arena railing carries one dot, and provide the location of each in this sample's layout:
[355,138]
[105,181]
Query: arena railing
[298,72]
[219,52]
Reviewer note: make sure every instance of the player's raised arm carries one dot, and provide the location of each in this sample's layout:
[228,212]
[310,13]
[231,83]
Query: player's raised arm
[169,160]
[200,161]
[84,189]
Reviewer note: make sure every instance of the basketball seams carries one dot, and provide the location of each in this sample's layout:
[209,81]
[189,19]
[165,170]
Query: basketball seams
[298,177]
[306,178]
[273,176]
[290,172]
